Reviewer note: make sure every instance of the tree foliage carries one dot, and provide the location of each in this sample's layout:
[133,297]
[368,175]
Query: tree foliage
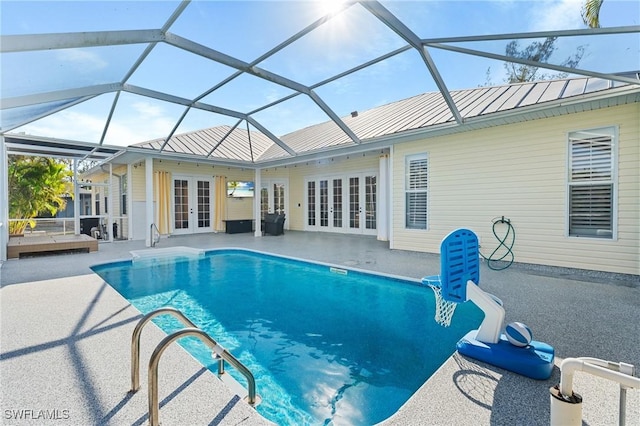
[36,185]
[536,52]
[591,13]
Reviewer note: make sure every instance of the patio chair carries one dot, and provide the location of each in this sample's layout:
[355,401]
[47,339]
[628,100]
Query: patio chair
[274,224]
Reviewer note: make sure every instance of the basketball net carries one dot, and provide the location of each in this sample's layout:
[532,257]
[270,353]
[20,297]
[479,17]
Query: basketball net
[444,308]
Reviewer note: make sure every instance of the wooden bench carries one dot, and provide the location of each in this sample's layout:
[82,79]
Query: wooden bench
[19,246]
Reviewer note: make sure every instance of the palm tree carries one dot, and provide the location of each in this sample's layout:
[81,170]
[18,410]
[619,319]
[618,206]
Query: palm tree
[232,185]
[36,185]
[591,13]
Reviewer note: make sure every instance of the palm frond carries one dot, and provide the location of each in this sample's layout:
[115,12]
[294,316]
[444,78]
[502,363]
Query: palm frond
[591,13]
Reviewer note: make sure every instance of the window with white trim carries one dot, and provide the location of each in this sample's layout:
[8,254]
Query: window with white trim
[415,188]
[591,183]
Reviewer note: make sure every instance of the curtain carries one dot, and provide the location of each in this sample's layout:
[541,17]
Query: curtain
[220,205]
[162,187]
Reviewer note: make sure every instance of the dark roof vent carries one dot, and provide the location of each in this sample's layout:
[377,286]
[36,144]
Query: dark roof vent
[354,114]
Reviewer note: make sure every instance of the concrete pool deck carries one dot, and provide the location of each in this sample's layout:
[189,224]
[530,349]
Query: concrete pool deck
[65,341]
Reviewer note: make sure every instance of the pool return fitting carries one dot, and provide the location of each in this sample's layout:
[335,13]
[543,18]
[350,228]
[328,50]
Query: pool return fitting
[566,406]
[220,353]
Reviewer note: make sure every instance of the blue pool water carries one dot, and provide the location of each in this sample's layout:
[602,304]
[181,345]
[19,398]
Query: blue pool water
[325,347]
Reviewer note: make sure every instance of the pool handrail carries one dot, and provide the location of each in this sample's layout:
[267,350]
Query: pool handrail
[135,340]
[153,241]
[192,330]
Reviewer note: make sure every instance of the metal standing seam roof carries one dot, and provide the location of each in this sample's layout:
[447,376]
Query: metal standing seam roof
[425,111]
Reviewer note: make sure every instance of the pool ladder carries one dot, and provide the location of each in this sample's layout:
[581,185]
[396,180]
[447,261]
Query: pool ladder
[154,235]
[220,353]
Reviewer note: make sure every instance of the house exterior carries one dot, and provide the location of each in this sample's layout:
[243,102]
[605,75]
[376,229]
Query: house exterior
[559,160]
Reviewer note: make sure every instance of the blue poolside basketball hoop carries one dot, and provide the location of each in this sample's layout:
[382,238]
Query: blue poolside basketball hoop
[458,282]
[459,263]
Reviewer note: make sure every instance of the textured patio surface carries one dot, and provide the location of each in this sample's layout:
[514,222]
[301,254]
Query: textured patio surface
[65,341]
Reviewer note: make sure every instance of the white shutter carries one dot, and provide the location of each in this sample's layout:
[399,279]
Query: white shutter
[591,184]
[416,185]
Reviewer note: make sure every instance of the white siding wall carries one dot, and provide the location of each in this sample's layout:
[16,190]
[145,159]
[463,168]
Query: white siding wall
[138,180]
[519,171]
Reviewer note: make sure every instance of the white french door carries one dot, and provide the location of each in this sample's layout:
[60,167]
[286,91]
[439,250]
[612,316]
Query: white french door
[192,204]
[344,203]
[273,196]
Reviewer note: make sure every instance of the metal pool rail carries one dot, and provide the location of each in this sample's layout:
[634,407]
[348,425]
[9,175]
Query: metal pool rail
[192,330]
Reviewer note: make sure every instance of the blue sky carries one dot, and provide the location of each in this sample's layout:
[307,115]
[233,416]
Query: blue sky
[247,29]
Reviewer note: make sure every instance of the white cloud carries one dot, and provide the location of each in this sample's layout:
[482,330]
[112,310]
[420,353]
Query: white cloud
[147,122]
[147,110]
[67,125]
[144,122]
[82,59]
[555,15]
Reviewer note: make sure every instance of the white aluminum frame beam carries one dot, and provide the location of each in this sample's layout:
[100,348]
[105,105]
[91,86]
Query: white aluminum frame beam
[31,42]
[59,95]
[256,71]
[535,63]
[537,34]
[390,20]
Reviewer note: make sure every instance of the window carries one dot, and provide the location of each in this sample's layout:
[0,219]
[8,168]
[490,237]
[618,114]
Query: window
[415,188]
[591,183]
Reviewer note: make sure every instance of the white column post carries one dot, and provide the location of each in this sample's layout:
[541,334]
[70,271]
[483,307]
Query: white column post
[129,202]
[391,196]
[257,210]
[383,199]
[109,226]
[148,172]
[76,199]
[4,201]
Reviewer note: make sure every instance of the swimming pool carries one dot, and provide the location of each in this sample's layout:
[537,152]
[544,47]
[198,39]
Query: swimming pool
[326,345]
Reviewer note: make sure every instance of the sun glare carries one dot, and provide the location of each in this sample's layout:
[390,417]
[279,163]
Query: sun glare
[330,7]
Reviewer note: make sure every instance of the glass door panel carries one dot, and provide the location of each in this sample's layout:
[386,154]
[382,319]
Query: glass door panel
[370,205]
[324,203]
[204,204]
[311,203]
[264,201]
[354,203]
[181,205]
[337,203]
[278,198]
